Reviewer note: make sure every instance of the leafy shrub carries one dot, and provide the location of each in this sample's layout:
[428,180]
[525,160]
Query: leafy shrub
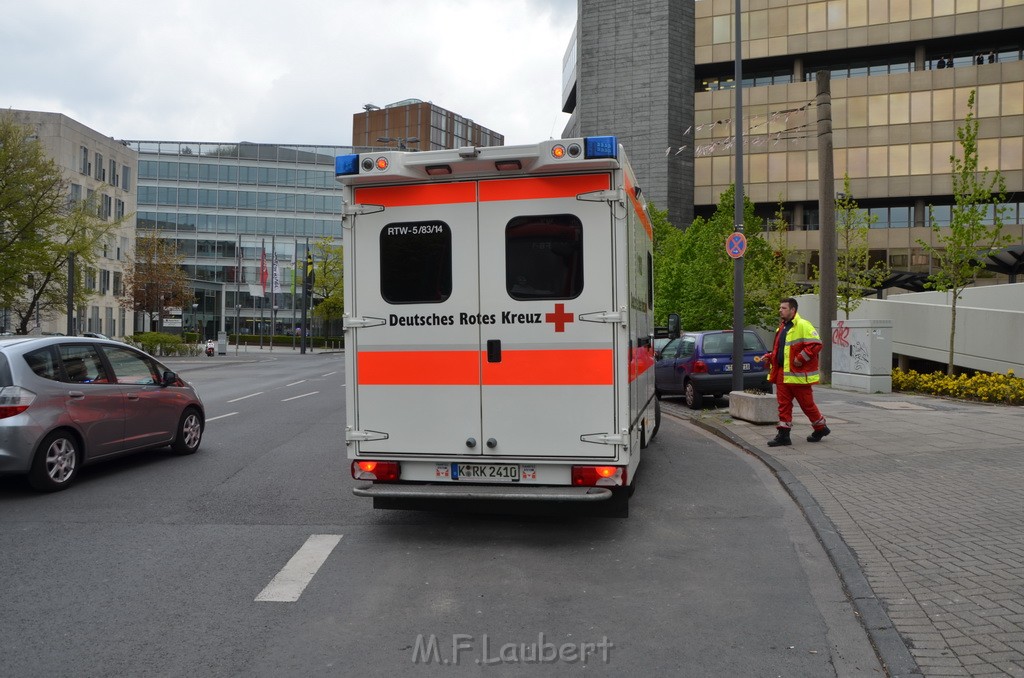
[161,343]
[986,387]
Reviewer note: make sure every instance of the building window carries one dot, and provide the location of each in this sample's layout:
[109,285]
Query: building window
[113,172]
[101,171]
[85,167]
[119,209]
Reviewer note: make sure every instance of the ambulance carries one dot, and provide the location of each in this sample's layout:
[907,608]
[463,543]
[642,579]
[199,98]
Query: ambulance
[498,325]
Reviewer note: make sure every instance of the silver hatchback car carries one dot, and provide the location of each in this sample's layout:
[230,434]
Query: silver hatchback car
[70,401]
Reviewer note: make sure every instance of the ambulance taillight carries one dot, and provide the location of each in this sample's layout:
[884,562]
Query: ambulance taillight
[380,471]
[590,476]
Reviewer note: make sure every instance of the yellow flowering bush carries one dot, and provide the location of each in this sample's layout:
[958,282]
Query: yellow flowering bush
[1006,389]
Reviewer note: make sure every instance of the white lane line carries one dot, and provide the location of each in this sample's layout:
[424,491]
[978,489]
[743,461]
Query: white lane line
[251,395]
[229,414]
[329,373]
[299,396]
[288,584]
[296,383]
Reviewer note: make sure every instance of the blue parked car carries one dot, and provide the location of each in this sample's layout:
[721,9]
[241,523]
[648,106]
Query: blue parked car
[698,364]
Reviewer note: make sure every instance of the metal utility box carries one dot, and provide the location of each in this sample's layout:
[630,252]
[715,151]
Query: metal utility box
[862,355]
[222,343]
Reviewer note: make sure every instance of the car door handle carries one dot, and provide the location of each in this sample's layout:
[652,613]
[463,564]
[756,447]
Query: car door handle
[77,395]
[494,350]
[133,396]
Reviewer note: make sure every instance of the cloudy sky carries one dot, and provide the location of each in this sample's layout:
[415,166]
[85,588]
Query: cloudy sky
[292,71]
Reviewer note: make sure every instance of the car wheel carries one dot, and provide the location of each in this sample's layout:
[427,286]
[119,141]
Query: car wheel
[56,463]
[693,396]
[190,433]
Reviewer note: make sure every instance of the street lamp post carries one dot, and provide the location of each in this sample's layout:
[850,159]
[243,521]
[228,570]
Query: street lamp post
[195,318]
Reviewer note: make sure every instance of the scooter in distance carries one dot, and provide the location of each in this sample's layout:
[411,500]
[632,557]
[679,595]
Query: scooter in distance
[209,349]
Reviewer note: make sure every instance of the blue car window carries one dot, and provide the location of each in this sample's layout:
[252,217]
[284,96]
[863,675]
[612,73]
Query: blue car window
[688,347]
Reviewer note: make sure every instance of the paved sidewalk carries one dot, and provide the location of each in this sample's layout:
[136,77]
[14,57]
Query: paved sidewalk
[927,495]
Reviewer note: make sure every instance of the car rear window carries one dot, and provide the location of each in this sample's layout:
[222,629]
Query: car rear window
[721,344]
[416,262]
[544,257]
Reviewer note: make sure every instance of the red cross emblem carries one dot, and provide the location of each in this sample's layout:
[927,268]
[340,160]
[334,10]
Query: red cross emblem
[559,317]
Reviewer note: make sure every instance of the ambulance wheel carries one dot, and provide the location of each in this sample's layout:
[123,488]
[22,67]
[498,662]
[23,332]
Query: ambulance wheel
[694,398]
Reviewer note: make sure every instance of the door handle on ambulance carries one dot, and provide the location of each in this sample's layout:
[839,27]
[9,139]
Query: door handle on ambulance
[494,350]
[470,442]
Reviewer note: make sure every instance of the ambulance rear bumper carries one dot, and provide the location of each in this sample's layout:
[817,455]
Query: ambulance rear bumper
[489,492]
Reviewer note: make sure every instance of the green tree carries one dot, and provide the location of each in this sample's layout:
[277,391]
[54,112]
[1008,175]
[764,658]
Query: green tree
[976,222]
[77,231]
[40,227]
[154,279]
[328,281]
[855,274]
[668,270]
[698,278]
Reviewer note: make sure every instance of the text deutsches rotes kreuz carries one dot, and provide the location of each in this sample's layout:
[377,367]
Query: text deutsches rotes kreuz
[440,319]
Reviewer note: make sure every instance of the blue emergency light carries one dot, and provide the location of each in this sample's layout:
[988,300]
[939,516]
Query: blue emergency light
[601,147]
[346,164]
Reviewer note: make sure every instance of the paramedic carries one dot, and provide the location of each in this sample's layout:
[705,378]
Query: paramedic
[793,364]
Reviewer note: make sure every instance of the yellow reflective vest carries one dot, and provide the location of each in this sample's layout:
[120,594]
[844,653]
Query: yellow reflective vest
[800,354]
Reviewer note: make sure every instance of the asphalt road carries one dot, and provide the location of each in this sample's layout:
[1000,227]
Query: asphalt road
[253,558]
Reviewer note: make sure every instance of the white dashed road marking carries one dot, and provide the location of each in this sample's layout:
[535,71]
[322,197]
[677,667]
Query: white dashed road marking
[251,395]
[229,414]
[299,396]
[291,581]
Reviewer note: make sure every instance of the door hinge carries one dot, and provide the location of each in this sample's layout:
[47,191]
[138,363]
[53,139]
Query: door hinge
[349,322]
[356,436]
[359,210]
[611,195]
[605,316]
[606,438]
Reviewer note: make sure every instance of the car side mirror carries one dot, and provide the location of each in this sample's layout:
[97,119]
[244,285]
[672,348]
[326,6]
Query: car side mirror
[673,325]
[169,378]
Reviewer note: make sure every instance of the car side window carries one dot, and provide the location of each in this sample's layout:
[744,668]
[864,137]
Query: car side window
[687,347]
[44,363]
[131,367]
[669,351]
[82,364]
[751,342]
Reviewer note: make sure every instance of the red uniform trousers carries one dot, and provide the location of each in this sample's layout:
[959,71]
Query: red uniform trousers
[785,393]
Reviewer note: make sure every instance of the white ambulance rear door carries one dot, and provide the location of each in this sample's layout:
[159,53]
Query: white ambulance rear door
[417,360]
[546,277]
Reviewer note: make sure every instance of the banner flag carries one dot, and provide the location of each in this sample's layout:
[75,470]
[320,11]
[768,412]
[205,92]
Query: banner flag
[263,266]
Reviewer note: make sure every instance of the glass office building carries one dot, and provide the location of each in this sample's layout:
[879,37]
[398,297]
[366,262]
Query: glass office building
[233,209]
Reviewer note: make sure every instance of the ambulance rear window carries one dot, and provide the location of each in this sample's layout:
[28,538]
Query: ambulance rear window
[416,262]
[544,257]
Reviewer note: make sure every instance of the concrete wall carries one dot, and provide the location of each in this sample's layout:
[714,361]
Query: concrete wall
[989,325]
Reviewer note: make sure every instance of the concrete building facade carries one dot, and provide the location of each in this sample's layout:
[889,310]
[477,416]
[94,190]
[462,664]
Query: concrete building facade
[101,168]
[628,71]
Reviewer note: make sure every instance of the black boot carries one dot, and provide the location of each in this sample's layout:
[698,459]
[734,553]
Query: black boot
[781,438]
[818,434]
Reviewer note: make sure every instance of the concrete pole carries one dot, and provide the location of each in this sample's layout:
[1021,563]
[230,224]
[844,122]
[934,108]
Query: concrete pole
[827,219]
